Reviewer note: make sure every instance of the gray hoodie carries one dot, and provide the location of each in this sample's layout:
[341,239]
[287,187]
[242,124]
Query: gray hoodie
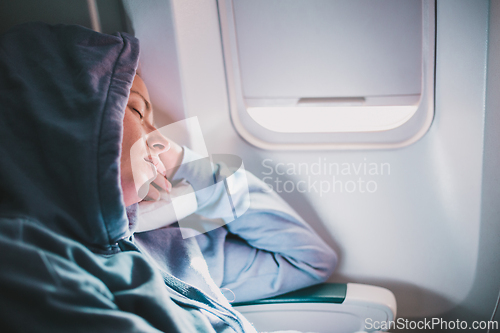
[69,261]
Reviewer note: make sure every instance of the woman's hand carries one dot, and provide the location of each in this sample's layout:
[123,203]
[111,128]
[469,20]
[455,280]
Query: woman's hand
[172,158]
[159,189]
[156,211]
[170,161]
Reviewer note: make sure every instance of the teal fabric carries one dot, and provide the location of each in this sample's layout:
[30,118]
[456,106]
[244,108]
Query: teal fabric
[321,293]
[64,90]
[50,283]
[67,260]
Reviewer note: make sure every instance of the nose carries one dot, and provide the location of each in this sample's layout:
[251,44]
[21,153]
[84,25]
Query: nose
[157,143]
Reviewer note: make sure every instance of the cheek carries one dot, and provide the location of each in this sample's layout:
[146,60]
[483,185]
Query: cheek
[128,162]
[131,134]
[136,172]
[127,141]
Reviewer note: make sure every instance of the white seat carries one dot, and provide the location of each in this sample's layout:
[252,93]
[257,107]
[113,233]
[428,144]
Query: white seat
[326,308]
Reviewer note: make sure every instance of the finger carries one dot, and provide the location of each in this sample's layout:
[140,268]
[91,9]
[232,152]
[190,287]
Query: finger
[159,182]
[169,185]
[153,194]
[172,158]
[162,182]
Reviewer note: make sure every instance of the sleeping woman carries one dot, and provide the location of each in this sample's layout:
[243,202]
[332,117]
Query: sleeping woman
[72,107]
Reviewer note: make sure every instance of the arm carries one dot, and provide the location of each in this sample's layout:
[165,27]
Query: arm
[266,251]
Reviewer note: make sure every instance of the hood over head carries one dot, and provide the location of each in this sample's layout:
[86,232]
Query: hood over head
[63,94]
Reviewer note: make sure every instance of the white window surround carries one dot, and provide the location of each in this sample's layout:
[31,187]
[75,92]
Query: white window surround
[331,119]
[353,123]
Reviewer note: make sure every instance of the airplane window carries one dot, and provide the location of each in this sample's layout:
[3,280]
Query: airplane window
[329,74]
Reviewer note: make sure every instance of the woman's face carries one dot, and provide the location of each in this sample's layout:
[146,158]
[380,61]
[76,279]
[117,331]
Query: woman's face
[141,145]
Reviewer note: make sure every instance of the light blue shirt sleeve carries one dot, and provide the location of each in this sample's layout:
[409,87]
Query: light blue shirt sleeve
[268,250]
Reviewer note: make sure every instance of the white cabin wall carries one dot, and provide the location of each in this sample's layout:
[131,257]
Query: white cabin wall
[151,23]
[418,234]
[481,299]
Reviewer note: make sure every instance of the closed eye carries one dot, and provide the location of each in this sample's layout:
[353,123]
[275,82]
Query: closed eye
[138,112]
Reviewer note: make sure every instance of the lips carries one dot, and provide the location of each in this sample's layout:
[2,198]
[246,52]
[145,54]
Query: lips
[150,160]
[158,165]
